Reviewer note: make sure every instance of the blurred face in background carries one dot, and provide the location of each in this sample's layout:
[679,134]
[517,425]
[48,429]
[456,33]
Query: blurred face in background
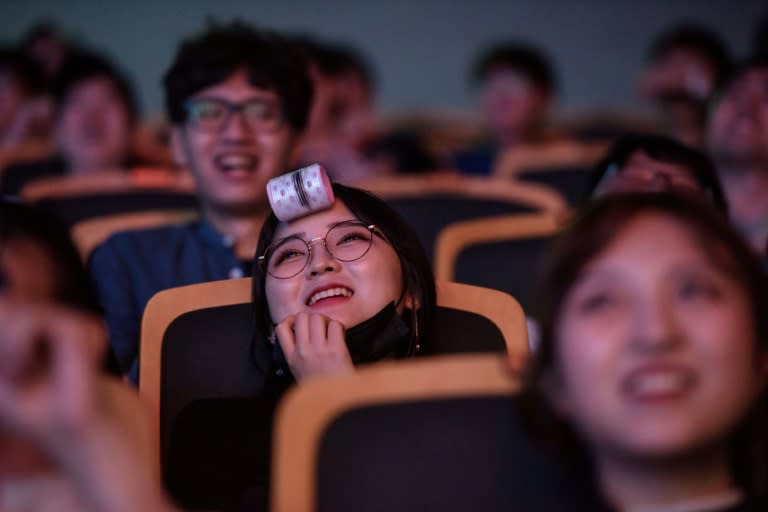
[679,71]
[342,107]
[512,105]
[656,347]
[738,131]
[94,129]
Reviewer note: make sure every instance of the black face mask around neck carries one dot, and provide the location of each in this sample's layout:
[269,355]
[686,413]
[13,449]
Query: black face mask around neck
[383,336]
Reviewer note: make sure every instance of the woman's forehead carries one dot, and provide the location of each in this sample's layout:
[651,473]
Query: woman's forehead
[634,248]
[315,224]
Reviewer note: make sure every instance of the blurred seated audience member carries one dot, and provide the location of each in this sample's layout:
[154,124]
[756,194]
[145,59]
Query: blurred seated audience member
[94,119]
[738,144]
[39,266]
[685,66]
[24,109]
[73,440]
[654,163]
[45,44]
[517,91]
[238,99]
[341,121]
[399,152]
[649,380]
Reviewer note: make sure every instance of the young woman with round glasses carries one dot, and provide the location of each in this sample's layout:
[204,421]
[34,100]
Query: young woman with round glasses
[340,287]
[651,371]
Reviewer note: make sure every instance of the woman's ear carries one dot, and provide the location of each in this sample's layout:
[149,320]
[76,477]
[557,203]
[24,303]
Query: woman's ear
[411,301]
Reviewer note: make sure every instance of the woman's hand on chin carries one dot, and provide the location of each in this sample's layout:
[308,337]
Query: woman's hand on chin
[314,345]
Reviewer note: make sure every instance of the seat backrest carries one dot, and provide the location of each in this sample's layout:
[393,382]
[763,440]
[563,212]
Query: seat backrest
[77,208]
[570,182]
[564,153]
[431,203]
[423,435]
[506,253]
[89,234]
[196,340]
[108,182]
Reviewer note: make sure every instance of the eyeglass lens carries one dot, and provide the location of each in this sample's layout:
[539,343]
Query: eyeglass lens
[345,242]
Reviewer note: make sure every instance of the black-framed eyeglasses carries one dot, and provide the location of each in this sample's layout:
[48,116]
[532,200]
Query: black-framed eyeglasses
[211,114]
[346,241]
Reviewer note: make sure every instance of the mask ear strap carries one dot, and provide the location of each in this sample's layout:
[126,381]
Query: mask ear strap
[401,298]
[416,335]
[415,347]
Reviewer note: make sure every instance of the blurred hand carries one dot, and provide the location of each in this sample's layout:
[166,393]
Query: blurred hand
[94,428]
[314,345]
[48,370]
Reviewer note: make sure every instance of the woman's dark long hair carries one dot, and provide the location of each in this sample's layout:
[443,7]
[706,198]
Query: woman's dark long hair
[417,274]
[589,233]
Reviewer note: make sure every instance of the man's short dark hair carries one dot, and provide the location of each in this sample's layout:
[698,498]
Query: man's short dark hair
[756,62]
[523,58]
[211,57]
[23,69]
[698,39]
[336,59]
[84,65]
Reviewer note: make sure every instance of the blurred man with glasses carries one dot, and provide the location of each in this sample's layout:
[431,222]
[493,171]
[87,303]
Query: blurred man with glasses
[238,100]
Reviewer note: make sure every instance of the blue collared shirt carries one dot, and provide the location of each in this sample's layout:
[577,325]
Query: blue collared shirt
[130,267]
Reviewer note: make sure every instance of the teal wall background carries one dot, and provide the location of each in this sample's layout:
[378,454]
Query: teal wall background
[420,49]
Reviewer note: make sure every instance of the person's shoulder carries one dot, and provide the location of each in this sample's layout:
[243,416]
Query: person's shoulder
[149,240]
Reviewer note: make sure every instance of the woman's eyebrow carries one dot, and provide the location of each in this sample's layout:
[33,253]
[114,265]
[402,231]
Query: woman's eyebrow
[333,224]
[300,234]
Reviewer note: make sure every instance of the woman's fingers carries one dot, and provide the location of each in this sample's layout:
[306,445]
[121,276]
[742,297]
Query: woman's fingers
[301,331]
[314,345]
[285,336]
[337,338]
[318,332]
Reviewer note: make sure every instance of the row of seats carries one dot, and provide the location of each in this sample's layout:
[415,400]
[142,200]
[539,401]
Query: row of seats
[195,346]
[467,224]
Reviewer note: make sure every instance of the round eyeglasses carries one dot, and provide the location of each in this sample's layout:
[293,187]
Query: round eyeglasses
[211,114]
[346,241]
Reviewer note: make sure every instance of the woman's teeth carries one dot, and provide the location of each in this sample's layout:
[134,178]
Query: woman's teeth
[659,383]
[332,292]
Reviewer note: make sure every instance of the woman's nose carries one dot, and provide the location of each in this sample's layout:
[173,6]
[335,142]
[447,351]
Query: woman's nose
[320,260]
[656,327]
